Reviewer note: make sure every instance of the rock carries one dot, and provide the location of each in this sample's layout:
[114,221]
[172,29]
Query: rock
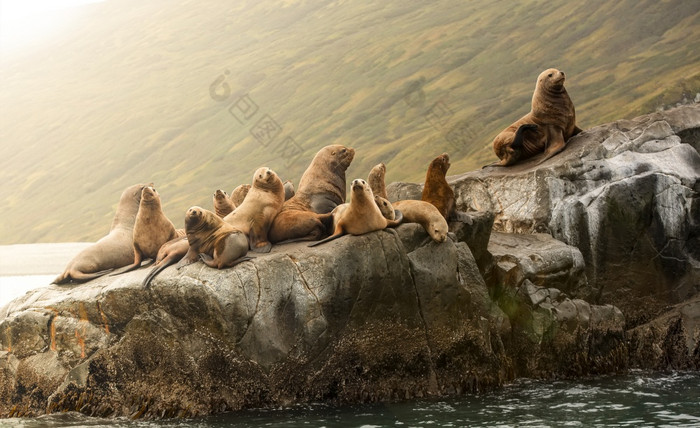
[540,259]
[669,342]
[358,319]
[626,194]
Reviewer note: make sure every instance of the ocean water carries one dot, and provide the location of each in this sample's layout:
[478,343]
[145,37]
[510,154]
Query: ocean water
[633,400]
[15,286]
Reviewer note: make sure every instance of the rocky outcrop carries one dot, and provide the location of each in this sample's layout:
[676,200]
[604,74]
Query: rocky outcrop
[384,316]
[592,252]
[625,194]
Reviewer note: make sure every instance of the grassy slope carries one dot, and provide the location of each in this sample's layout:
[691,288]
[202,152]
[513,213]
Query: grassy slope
[125,97]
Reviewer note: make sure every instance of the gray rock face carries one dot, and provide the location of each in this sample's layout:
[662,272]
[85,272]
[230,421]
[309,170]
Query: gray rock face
[626,194]
[387,315]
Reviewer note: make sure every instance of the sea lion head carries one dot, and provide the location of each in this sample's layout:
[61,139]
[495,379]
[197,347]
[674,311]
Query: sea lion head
[340,156]
[385,207]
[149,194]
[441,163]
[551,79]
[361,188]
[194,216]
[438,231]
[265,178]
[220,194]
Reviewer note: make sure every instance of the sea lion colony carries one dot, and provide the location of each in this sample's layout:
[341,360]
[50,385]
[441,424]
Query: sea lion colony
[268,211]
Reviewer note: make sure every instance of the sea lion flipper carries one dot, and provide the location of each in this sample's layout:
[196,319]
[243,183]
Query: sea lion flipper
[519,137]
[555,143]
[208,260]
[257,239]
[398,219]
[497,163]
[462,217]
[323,241]
[78,276]
[189,258]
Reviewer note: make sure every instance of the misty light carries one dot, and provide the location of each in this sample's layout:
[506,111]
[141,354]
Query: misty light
[28,23]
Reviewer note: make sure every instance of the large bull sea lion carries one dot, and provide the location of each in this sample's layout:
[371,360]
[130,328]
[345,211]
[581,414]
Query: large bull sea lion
[305,216]
[546,128]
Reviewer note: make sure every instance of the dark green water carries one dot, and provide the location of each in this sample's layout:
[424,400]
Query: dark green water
[634,400]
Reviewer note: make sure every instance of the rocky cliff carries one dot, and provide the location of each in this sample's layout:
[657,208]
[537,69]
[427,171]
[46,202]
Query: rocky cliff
[626,195]
[392,315]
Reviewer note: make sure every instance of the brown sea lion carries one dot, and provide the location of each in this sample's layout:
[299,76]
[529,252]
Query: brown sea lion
[254,216]
[436,190]
[112,251]
[239,193]
[288,190]
[426,215]
[322,187]
[212,240]
[546,128]
[222,203]
[385,207]
[376,180]
[152,229]
[360,216]
[169,253]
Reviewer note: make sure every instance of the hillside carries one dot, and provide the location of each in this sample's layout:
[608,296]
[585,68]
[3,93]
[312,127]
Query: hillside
[130,95]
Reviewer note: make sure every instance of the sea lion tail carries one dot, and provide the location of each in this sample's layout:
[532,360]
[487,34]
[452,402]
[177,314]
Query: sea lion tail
[323,241]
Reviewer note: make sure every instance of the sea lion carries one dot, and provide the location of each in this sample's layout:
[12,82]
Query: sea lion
[376,180]
[427,215]
[360,216]
[306,216]
[546,128]
[222,203]
[152,229]
[212,240]
[385,207]
[436,190]
[288,190]
[239,193]
[169,253]
[112,251]
[254,216]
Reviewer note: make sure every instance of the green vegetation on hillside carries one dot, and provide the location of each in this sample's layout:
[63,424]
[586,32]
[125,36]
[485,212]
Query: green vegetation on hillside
[125,97]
